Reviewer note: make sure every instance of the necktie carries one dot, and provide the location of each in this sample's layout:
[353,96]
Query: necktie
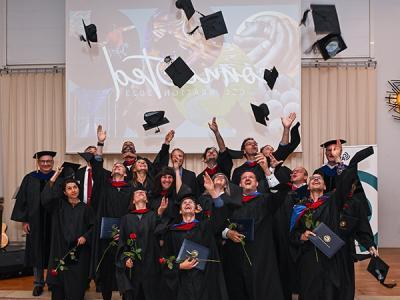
[89,186]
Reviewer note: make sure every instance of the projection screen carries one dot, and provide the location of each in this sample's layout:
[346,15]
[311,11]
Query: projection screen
[121,77]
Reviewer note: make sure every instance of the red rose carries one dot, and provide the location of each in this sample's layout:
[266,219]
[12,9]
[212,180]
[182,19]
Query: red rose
[53,272]
[132,236]
[162,260]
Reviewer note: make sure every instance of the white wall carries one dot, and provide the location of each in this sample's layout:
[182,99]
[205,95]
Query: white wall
[384,24]
[3,21]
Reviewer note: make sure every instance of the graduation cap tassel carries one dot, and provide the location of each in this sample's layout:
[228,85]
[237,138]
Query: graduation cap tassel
[304,18]
[200,13]
[193,31]
[82,38]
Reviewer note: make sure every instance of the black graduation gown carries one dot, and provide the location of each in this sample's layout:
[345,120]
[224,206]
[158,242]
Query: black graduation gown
[146,273]
[195,284]
[353,228]
[261,280]
[321,277]
[28,208]
[281,224]
[224,165]
[69,223]
[171,214]
[112,202]
[283,151]
[189,179]
[161,160]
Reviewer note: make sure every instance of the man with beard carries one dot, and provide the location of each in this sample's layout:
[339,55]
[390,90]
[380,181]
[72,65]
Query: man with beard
[130,156]
[35,220]
[250,149]
[216,162]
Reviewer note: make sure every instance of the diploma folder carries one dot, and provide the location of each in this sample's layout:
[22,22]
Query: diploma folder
[107,227]
[192,247]
[245,227]
[326,240]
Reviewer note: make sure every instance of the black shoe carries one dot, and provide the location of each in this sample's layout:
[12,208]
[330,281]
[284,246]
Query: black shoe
[37,291]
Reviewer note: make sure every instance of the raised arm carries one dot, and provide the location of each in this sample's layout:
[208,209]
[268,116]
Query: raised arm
[52,191]
[214,128]
[287,123]
[178,178]
[101,137]
[162,158]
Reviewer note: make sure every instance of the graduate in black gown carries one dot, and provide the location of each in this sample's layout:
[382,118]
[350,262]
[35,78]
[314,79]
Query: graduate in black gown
[129,155]
[168,183]
[140,175]
[140,278]
[253,274]
[354,225]
[296,190]
[72,226]
[250,150]
[320,277]
[35,219]
[114,200]
[183,279]
[217,162]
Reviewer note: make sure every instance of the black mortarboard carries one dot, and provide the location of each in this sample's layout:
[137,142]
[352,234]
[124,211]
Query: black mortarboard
[261,113]
[325,19]
[90,33]
[379,269]
[271,76]
[235,154]
[69,169]
[187,7]
[331,45]
[213,25]
[179,72]
[331,142]
[87,156]
[39,154]
[154,119]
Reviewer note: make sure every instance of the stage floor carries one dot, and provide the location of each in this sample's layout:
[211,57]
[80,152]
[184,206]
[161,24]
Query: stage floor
[367,288]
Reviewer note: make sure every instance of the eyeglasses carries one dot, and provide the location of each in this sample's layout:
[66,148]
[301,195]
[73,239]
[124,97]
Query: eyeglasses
[43,162]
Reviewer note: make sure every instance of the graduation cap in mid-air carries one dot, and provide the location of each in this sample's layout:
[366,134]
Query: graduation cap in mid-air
[90,33]
[270,77]
[379,269]
[187,7]
[154,119]
[326,21]
[325,18]
[213,25]
[178,71]
[69,169]
[261,113]
[331,45]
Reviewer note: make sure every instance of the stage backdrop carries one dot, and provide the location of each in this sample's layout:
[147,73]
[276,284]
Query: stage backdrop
[368,175]
[122,76]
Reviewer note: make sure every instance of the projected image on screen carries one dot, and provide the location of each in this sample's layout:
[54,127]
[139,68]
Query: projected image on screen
[121,77]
